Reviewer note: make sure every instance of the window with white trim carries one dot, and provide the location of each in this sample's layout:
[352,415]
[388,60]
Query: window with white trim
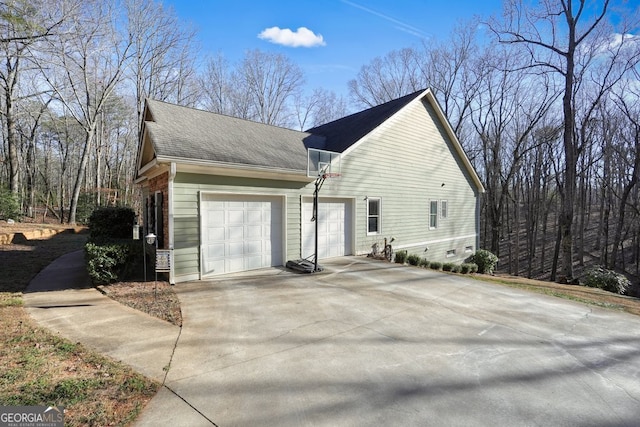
[468,249]
[444,209]
[451,253]
[433,214]
[374,215]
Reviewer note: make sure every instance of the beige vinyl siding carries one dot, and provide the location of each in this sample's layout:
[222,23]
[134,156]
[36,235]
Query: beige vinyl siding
[187,188]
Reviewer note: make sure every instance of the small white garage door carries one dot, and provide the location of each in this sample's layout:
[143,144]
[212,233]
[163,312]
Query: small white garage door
[240,233]
[334,228]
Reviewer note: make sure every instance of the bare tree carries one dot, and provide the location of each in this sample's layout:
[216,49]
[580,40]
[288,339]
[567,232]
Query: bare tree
[29,131]
[216,85]
[162,52]
[23,24]
[396,74]
[557,36]
[270,81]
[321,107]
[86,67]
[507,109]
[452,69]
[627,100]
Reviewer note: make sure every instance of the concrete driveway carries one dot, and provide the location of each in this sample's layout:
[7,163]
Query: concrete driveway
[370,343]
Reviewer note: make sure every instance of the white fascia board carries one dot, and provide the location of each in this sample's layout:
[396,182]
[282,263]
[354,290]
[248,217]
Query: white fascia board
[236,170]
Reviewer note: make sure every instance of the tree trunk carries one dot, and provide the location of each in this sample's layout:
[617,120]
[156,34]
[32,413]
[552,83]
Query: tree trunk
[617,237]
[81,173]
[12,140]
[568,192]
[556,251]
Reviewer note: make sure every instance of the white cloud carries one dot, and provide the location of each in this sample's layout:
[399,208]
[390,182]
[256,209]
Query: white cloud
[303,37]
[611,45]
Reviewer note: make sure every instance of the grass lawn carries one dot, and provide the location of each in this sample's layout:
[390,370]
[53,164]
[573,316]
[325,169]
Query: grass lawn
[582,294]
[40,368]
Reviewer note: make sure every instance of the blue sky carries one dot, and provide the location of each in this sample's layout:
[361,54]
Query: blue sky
[342,35]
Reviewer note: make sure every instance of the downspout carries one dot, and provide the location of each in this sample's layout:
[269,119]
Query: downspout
[478,195]
[172,175]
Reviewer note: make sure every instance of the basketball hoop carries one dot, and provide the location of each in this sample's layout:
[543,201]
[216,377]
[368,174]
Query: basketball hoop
[331,175]
[321,164]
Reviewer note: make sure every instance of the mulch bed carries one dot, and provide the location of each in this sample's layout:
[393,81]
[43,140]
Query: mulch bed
[154,298]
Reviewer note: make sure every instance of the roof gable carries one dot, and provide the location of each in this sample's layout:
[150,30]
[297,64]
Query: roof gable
[180,133]
[343,133]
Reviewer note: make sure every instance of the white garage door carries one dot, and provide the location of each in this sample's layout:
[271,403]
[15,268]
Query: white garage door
[240,233]
[334,228]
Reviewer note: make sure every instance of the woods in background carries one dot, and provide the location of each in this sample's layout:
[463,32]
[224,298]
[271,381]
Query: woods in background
[544,99]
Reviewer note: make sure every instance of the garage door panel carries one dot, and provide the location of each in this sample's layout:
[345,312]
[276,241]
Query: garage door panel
[215,250]
[333,228]
[254,216]
[214,265]
[233,264]
[254,205]
[215,217]
[335,239]
[235,217]
[253,248]
[234,232]
[235,249]
[254,232]
[241,233]
[216,233]
[253,263]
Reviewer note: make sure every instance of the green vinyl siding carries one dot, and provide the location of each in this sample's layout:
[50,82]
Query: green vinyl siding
[406,163]
[187,188]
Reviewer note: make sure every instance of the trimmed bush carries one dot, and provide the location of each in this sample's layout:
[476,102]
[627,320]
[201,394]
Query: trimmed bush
[447,266]
[435,265]
[466,268]
[111,223]
[9,207]
[485,260]
[401,257]
[608,280]
[113,262]
[413,259]
[104,263]
[424,263]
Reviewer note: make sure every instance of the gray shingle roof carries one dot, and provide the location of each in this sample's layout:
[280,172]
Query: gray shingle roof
[187,133]
[343,133]
[182,133]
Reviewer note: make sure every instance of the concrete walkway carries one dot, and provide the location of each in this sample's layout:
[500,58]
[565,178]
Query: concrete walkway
[60,298]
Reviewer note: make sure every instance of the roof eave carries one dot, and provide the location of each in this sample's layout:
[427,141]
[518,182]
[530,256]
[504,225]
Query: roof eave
[456,143]
[208,167]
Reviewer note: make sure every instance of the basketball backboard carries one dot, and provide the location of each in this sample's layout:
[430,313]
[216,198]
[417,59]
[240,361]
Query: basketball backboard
[321,162]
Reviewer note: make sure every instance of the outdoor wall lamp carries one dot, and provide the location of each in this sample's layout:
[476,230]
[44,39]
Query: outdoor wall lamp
[151,238]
